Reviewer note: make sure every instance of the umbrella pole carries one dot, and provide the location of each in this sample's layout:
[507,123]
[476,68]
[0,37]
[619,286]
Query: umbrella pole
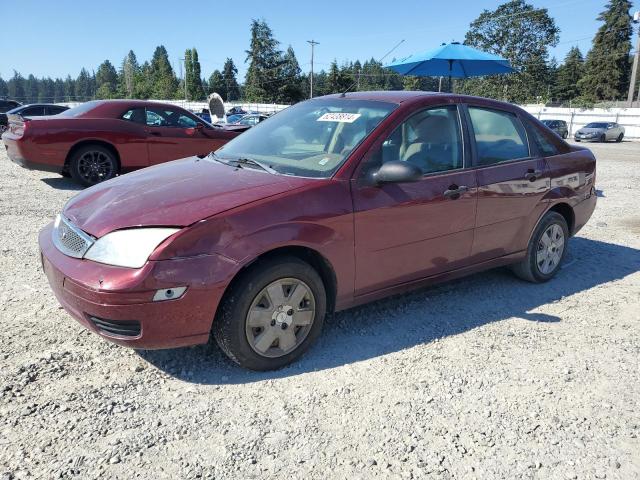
[440,84]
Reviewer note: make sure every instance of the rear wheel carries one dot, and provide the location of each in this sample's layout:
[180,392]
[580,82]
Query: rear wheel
[603,138]
[620,137]
[272,315]
[565,135]
[546,249]
[93,164]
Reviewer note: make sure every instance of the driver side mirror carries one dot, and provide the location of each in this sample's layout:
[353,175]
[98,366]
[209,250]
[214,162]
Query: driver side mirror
[397,172]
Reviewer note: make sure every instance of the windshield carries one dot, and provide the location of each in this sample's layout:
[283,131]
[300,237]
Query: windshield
[596,125]
[309,139]
[79,110]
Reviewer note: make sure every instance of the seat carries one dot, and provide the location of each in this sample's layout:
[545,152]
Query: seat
[434,148]
[138,116]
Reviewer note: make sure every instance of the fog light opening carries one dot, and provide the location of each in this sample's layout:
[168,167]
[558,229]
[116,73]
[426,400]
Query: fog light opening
[169,294]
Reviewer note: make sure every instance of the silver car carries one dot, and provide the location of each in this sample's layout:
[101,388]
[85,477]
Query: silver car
[600,132]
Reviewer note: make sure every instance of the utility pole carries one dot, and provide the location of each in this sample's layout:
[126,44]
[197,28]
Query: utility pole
[313,43]
[636,57]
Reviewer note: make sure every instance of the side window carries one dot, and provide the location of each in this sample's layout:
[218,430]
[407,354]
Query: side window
[32,111]
[55,110]
[544,144]
[135,115]
[430,139]
[187,122]
[499,136]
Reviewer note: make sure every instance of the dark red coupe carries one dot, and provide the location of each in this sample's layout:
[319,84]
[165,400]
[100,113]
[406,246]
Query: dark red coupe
[330,203]
[98,140]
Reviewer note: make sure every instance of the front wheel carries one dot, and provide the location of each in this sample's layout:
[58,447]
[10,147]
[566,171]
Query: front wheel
[93,164]
[603,138]
[565,135]
[272,315]
[620,137]
[546,250]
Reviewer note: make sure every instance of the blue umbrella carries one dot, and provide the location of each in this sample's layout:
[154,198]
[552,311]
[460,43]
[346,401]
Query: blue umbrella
[451,60]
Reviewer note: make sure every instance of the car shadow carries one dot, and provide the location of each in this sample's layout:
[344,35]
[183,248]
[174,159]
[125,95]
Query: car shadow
[419,317]
[62,183]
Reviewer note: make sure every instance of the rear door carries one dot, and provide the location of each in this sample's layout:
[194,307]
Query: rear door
[512,180]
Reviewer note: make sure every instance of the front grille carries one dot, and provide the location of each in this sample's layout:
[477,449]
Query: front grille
[69,239]
[120,328]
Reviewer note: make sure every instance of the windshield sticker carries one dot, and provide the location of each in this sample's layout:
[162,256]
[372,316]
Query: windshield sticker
[339,117]
[324,161]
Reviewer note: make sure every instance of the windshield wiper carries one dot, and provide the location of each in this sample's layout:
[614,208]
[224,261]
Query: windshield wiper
[250,161]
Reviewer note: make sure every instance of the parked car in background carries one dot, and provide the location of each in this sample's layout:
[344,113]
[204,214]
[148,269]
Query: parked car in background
[97,140]
[258,241]
[205,115]
[558,126]
[234,118]
[600,132]
[251,119]
[236,111]
[5,106]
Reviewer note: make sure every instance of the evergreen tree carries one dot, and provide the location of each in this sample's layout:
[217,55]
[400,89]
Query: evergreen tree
[229,72]
[217,84]
[70,89]
[195,77]
[188,71]
[15,87]
[58,91]
[411,83]
[265,59]
[164,84]
[31,89]
[106,80]
[46,87]
[337,80]
[291,88]
[4,91]
[569,76]
[606,70]
[83,86]
[143,84]
[521,33]
[128,72]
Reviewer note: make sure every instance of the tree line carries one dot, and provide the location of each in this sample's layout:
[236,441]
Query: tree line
[515,30]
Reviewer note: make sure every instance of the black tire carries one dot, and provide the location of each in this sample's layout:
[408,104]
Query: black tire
[565,135]
[93,164]
[528,269]
[620,137]
[603,138]
[230,329]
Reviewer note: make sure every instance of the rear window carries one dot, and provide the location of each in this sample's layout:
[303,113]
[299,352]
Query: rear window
[80,109]
[500,136]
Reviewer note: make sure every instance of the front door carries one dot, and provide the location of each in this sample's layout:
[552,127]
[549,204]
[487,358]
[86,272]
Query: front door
[174,135]
[407,231]
[512,180]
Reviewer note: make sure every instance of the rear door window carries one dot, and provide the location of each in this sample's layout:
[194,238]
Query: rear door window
[32,112]
[499,136]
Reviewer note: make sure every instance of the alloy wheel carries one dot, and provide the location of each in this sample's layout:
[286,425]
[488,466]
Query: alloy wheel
[95,166]
[280,317]
[550,249]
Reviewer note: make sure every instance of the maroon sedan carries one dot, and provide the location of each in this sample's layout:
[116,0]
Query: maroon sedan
[333,202]
[98,140]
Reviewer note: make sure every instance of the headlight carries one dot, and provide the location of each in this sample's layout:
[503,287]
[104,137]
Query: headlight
[128,248]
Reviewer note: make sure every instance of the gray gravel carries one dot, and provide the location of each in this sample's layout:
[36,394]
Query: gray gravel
[485,377]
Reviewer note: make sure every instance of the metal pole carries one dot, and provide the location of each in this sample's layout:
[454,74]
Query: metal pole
[634,71]
[313,43]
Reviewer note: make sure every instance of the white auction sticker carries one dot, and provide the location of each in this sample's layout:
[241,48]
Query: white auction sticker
[339,117]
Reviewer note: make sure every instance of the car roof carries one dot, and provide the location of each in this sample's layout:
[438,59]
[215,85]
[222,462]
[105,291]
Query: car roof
[406,97]
[41,105]
[114,108]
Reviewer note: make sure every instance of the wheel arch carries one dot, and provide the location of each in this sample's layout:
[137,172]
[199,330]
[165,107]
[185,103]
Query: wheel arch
[567,212]
[92,141]
[314,258]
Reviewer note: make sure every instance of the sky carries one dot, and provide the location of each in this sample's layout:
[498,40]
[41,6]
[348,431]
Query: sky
[56,38]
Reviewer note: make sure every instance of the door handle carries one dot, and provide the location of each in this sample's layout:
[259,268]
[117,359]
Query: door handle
[156,134]
[532,175]
[454,192]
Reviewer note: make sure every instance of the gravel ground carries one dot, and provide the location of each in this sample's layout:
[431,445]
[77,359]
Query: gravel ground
[485,377]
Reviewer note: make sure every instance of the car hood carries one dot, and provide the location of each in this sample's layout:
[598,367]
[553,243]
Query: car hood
[177,193]
[591,130]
